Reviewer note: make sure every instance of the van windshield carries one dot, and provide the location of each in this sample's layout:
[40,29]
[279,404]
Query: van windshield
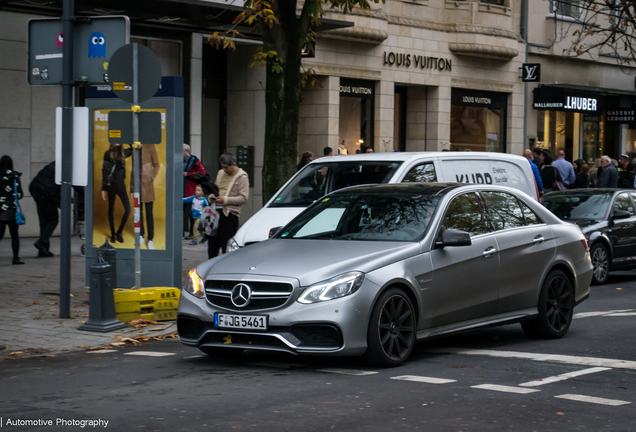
[316,180]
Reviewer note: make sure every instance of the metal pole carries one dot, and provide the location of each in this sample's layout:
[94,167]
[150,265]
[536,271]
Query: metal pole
[137,163]
[525,84]
[67,158]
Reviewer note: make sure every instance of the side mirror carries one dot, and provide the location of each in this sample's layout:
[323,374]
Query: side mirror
[274,231]
[618,214]
[451,237]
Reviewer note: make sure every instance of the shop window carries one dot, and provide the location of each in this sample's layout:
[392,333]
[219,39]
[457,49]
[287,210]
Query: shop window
[356,116]
[478,121]
[557,130]
[399,119]
[168,52]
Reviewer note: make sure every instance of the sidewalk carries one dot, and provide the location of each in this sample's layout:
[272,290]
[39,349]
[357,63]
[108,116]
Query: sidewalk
[29,303]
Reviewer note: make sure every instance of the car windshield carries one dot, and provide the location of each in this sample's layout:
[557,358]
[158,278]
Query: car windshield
[368,216]
[583,206]
[317,180]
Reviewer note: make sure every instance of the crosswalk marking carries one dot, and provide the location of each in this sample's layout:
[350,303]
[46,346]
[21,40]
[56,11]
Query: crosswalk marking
[563,377]
[101,351]
[502,388]
[592,399]
[423,379]
[587,361]
[149,353]
[347,371]
[622,314]
[600,313]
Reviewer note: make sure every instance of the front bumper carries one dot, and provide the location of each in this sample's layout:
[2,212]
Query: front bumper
[337,327]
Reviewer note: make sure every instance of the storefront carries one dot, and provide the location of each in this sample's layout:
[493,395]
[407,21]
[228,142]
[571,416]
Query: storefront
[478,120]
[585,122]
[356,116]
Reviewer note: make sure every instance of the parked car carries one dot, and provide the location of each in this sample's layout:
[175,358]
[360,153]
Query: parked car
[370,270]
[608,220]
[328,174]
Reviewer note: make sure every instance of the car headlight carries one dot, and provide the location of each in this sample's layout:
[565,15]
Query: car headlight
[337,287]
[194,284]
[232,246]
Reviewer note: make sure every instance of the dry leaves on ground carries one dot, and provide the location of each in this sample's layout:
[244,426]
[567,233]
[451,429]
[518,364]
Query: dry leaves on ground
[142,323]
[138,340]
[36,302]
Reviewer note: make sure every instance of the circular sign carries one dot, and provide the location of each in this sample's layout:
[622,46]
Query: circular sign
[120,73]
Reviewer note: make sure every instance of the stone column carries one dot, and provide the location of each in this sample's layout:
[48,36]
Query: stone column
[438,116]
[196,94]
[516,142]
[319,119]
[384,99]
[416,118]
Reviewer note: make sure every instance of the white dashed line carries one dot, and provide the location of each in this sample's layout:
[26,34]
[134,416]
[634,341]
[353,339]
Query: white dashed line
[194,357]
[599,313]
[149,353]
[506,389]
[586,361]
[422,379]
[591,399]
[347,371]
[100,351]
[563,377]
[622,314]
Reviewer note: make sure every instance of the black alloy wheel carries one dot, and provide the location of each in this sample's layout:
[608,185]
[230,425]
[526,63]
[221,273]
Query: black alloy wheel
[600,263]
[391,333]
[556,308]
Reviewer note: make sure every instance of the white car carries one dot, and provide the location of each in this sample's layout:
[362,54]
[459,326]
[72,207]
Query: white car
[328,174]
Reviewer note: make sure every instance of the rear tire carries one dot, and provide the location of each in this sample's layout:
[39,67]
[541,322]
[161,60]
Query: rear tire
[222,352]
[391,332]
[556,307]
[600,262]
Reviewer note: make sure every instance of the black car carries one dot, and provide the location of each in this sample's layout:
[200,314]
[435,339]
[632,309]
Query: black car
[608,220]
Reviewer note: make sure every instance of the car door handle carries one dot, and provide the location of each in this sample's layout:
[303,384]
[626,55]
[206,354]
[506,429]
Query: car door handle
[538,239]
[489,251]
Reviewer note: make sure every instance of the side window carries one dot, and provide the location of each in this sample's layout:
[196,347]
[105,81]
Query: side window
[624,203]
[465,214]
[504,210]
[424,173]
[531,216]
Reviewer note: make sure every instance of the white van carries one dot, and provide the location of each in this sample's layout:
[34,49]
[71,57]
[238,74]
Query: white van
[328,174]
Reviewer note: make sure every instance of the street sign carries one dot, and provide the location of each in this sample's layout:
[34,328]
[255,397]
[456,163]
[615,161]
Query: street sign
[121,76]
[120,127]
[531,72]
[94,42]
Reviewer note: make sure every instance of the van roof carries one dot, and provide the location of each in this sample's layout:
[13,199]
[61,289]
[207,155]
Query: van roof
[406,156]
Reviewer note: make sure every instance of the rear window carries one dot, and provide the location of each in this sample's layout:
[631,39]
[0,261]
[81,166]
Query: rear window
[317,180]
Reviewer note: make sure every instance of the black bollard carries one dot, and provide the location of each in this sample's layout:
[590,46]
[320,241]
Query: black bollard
[102,316]
[110,255]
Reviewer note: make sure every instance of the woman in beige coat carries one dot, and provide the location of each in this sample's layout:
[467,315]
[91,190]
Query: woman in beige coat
[234,191]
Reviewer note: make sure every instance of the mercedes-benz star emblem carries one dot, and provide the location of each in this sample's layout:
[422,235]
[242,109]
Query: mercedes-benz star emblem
[241,295]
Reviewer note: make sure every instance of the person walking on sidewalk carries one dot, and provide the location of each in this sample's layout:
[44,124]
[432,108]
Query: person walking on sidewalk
[193,173]
[234,190]
[565,169]
[608,178]
[197,201]
[47,196]
[10,191]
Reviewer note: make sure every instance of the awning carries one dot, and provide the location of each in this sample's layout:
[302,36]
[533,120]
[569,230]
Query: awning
[619,104]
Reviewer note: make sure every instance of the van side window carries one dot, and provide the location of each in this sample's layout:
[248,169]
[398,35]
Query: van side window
[424,173]
[504,210]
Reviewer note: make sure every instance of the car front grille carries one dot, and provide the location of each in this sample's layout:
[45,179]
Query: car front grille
[265,295]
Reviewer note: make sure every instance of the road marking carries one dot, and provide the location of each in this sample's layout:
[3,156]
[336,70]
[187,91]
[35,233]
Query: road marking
[620,314]
[100,351]
[429,380]
[194,356]
[347,371]
[586,361]
[149,353]
[563,377]
[591,399]
[602,313]
[277,365]
[506,389]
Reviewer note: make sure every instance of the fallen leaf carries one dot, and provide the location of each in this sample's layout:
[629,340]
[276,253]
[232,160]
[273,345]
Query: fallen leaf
[54,303]
[36,302]
[156,329]
[72,295]
[424,404]
[96,348]
[619,289]
[118,344]
[137,323]
[560,413]
[16,353]
[117,336]
[36,318]
[19,306]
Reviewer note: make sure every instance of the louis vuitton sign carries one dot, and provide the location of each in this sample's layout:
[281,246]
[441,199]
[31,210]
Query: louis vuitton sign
[418,61]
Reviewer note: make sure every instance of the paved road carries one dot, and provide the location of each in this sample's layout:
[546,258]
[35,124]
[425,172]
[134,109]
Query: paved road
[489,380]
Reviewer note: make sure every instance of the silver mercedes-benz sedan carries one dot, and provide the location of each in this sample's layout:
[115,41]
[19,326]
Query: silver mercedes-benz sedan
[370,270]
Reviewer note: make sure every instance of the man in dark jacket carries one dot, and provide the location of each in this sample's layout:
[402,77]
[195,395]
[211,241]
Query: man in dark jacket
[47,196]
[609,176]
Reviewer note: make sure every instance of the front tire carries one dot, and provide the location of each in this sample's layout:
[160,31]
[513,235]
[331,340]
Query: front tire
[601,263]
[556,307]
[391,332]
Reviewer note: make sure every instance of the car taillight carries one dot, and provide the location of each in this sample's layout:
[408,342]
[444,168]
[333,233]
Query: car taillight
[585,243]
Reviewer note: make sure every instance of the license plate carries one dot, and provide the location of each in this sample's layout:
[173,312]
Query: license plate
[248,322]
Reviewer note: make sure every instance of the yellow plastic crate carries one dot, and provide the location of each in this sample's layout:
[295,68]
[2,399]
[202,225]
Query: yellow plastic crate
[146,306]
[165,315]
[146,294]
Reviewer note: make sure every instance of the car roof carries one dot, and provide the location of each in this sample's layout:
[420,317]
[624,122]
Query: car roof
[405,156]
[392,188]
[591,191]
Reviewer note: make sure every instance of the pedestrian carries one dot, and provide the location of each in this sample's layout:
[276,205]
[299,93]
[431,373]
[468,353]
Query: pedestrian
[609,176]
[234,189]
[327,151]
[369,150]
[527,153]
[565,168]
[584,179]
[626,176]
[549,174]
[305,159]
[10,192]
[193,172]
[114,184]
[47,196]
[198,201]
[596,169]
[623,161]
[536,158]
[149,171]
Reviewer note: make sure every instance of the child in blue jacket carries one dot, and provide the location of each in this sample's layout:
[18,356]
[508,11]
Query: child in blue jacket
[198,202]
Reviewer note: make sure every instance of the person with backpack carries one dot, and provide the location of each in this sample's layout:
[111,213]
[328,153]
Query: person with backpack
[193,173]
